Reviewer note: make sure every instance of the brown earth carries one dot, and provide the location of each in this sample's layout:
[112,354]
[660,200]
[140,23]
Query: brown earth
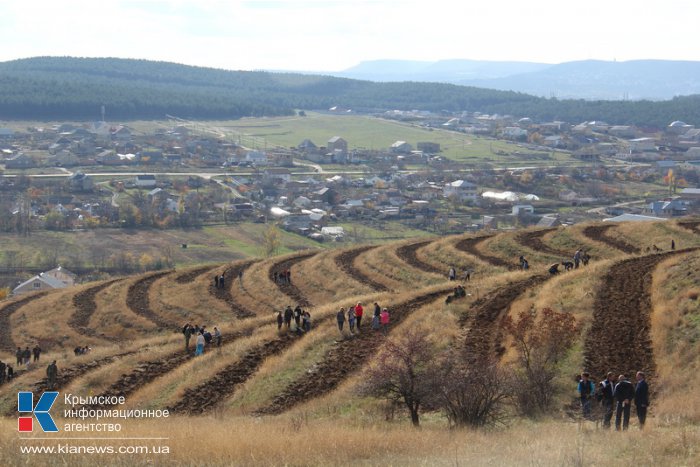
[189,276]
[147,371]
[599,234]
[346,263]
[291,290]
[85,307]
[619,338]
[694,226]
[345,358]
[137,300]
[407,253]
[230,277]
[533,240]
[470,245]
[6,342]
[223,383]
[482,339]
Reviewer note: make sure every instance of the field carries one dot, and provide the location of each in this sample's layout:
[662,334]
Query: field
[269,397]
[360,132]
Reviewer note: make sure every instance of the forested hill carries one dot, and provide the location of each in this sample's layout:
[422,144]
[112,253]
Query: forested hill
[75,88]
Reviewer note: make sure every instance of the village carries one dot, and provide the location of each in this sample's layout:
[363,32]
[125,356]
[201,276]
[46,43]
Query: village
[78,176]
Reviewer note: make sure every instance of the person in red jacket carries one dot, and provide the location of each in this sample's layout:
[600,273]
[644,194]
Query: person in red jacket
[358,314]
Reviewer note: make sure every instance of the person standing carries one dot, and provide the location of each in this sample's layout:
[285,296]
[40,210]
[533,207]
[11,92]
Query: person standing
[577,258]
[280,320]
[452,274]
[187,331]
[351,319]
[36,351]
[288,314]
[605,392]
[297,315]
[51,375]
[19,355]
[27,355]
[377,309]
[586,390]
[623,393]
[217,336]
[340,318]
[673,244]
[384,319]
[641,398]
[2,372]
[200,344]
[358,314]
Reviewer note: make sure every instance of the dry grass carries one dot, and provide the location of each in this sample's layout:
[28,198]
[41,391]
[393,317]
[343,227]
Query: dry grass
[675,334]
[295,440]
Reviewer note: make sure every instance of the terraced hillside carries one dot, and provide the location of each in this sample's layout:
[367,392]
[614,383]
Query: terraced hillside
[408,277]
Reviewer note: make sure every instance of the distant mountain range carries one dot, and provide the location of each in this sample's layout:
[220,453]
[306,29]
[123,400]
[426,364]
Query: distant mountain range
[587,79]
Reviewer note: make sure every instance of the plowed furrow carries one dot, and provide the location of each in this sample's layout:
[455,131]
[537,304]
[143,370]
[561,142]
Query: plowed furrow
[147,371]
[694,226]
[230,277]
[290,289]
[482,339]
[470,245]
[533,240]
[85,306]
[189,276]
[619,338]
[138,301]
[345,358]
[599,233]
[346,262]
[6,342]
[223,383]
[69,374]
[407,253]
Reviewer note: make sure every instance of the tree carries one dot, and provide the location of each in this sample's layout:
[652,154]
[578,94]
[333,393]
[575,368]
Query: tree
[271,241]
[404,372]
[541,341]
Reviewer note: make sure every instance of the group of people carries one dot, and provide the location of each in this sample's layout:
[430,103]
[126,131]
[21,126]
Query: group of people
[282,277]
[25,356]
[617,394]
[452,274]
[82,350]
[6,372]
[301,317]
[380,318]
[203,337]
[219,281]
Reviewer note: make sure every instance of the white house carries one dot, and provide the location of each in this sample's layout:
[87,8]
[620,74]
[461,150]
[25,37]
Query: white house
[401,147]
[63,275]
[460,189]
[643,144]
[38,283]
[519,209]
[256,157]
[145,181]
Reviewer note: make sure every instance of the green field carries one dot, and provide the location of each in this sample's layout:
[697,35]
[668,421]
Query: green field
[359,131]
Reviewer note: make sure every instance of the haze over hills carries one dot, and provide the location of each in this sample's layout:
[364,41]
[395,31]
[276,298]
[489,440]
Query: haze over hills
[586,79]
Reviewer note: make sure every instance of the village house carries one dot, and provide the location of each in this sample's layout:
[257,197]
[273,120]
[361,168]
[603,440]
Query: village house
[57,278]
[337,145]
[461,190]
[401,147]
[145,181]
[428,147]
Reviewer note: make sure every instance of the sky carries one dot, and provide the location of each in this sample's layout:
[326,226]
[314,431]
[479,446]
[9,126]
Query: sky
[334,35]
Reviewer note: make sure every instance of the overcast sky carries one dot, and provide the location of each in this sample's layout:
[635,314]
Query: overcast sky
[334,35]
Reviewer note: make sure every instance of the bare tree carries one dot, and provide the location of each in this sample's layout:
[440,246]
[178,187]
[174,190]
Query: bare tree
[404,372]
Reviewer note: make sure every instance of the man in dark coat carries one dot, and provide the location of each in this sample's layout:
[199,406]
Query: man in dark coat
[641,398]
[288,313]
[623,394]
[605,393]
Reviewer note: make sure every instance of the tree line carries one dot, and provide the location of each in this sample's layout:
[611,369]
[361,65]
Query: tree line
[76,88]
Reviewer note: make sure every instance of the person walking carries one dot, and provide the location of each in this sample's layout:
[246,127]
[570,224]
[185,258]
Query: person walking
[2,372]
[605,394]
[297,315]
[222,280]
[51,375]
[384,320]
[673,244]
[623,394]
[641,398]
[340,318]
[26,355]
[586,390]
[306,321]
[19,355]
[377,309]
[359,311]
[452,274]
[217,336]
[577,258]
[36,351]
[351,319]
[200,344]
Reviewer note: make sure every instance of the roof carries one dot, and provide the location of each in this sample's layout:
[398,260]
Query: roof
[62,270]
[48,280]
[633,218]
[145,177]
[335,139]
